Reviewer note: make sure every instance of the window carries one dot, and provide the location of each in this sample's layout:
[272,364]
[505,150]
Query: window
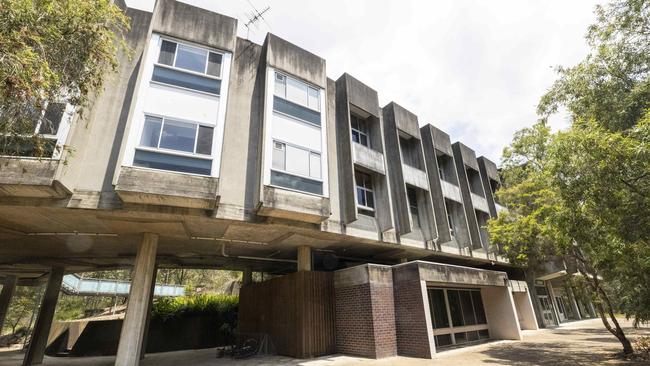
[408,148]
[45,123]
[365,194]
[188,67]
[359,130]
[413,206]
[164,139]
[299,163]
[450,220]
[454,308]
[297,92]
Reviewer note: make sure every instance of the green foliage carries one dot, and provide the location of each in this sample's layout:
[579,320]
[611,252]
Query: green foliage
[220,305]
[53,50]
[23,303]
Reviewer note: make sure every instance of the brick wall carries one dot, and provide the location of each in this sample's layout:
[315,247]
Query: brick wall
[354,318]
[410,319]
[383,315]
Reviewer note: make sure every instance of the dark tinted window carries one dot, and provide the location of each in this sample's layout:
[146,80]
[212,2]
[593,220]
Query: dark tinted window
[167,51]
[148,159]
[204,142]
[443,340]
[52,118]
[294,182]
[460,337]
[214,64]
[186,80]
[478,307]
[296,110]
[468,309]
[455,308]
[438,308]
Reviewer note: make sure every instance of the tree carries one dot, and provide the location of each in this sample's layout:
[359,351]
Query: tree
[584,193]
[52,51]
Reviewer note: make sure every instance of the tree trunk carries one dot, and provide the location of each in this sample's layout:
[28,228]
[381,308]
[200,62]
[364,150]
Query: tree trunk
[592,279]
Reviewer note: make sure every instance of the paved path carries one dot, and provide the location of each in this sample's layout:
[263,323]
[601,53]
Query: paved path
[574,344]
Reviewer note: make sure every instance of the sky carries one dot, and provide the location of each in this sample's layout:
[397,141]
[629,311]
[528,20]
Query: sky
[473,68]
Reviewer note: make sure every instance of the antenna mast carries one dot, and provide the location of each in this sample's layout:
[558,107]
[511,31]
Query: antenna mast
[254,17]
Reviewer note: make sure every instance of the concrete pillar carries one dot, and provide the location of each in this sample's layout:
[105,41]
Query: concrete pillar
[574,302]
[247,276]
[551,295]
[525,311]
[36,350]
[130,345]
[500,312]
[8,288]
[304,258]
[143,350]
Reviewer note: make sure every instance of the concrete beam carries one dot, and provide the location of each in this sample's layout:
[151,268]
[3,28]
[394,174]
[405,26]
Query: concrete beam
[304,258]
[8,289]
[132,334]
[36,350]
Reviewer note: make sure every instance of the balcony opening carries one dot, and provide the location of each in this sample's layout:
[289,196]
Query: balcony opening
[410,151]
[414,211]
[494,186]
[482,219]
[451,218]
[474,181]
[360,129]
[446,168]
[38,138]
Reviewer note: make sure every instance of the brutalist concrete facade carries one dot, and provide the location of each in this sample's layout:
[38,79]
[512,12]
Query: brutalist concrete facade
[209,151]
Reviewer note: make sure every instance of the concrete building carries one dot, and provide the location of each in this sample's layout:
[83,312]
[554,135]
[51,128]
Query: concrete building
[209,151]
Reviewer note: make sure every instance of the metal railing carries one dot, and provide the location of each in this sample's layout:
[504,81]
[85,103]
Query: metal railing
[76,285]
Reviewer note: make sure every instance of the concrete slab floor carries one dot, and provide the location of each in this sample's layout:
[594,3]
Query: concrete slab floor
[577,343]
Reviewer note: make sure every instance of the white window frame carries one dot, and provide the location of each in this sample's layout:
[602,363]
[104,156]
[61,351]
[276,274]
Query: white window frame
[205,69]
[163,150]
[366,134]
[366,191]
[309,86]
[309,151]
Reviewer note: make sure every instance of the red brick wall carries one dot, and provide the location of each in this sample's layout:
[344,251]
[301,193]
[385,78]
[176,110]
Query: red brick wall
[383,314]
[410,320]
[354,317]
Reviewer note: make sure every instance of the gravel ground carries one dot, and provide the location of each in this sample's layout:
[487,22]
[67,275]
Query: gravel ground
[574,344]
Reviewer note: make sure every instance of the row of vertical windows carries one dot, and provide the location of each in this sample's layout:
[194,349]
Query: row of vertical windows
[296,168]
[297,92]
[360,131]
[452,308]
[365,193]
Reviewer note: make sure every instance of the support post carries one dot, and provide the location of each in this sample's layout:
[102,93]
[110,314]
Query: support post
[132,333]
[574,302]
[8,289]
[36,350]
[143,351]
[247,276]
[304,258]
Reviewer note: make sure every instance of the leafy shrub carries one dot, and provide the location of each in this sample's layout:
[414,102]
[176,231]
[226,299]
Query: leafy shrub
[642,346]
[223,306]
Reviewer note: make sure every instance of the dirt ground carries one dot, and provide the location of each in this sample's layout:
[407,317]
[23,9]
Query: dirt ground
[573,344]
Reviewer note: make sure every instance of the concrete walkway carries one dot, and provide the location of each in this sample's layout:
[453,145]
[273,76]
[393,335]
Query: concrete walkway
[573,344]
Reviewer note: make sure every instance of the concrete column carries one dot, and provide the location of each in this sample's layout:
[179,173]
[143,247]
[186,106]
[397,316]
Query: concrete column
[551,295]
[36,350]
[500,312]
[8,289]
[525,311]
[247,276]
[304,258]
[574,302]
[130,345]
[143,350]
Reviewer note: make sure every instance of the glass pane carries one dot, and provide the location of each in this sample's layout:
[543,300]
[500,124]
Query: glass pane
[280,86]
[438,308]
[355,137]
[454,308]
[297,183]
[370,198]
[214,64]
[297,161]
[363,140]
[354,122]
[52,118]
[460,338]
[314,99]
[296,110]
[478,307]
[151,131]
[314,166]
[186,80]
[472,336]
[178,136]
[167,51]
[468,309]
[483,334]
[361,197]
[278,156]
[297,91]
[204,142]
[191,58]
[443,340]
[185,164]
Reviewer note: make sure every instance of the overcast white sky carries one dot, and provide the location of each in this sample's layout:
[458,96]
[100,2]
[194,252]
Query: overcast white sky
[475,69]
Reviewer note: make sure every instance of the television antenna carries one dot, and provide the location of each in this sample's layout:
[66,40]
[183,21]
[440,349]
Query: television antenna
[254,17]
